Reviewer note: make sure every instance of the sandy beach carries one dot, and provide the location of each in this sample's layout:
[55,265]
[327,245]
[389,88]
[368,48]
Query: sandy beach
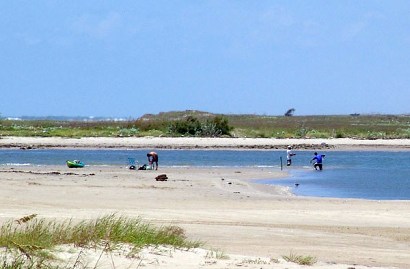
[252,225]
[202,143]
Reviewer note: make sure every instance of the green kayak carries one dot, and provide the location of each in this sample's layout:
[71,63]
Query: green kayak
[75,164]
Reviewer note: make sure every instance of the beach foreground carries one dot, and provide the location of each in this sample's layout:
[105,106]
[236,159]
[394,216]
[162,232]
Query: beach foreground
[242,224]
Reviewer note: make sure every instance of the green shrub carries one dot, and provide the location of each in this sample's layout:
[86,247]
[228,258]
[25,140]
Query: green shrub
[191,126]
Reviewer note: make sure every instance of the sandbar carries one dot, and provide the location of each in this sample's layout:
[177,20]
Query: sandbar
[203,143]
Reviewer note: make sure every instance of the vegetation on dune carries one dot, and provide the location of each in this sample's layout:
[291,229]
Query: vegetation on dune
[204,124]
[300,259]
[29,242]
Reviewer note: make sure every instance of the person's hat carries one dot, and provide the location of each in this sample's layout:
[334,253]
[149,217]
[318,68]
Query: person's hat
[289,147]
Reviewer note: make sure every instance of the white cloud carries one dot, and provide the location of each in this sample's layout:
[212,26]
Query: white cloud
[96,27]
[28,39]
[355,29]
[278,17]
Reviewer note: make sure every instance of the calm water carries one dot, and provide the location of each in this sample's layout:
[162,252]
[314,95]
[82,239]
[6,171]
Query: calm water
[369,175]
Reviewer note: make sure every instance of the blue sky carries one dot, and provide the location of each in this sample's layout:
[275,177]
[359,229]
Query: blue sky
[128,58]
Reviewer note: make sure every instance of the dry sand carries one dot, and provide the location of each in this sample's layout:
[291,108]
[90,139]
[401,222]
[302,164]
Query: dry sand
[251,225]
[202,143]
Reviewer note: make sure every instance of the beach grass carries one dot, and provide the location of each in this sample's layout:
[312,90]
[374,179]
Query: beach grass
[300,259]
[217,254]
[28,242]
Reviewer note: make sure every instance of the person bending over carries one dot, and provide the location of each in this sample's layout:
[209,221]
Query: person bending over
[153,159]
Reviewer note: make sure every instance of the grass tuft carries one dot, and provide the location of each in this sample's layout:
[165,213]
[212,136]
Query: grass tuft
[216,254]
[299,259]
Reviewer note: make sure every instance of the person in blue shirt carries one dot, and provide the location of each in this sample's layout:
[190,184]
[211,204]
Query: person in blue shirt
[318,161]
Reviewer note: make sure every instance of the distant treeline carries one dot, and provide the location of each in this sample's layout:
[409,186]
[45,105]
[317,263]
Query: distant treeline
[204,124]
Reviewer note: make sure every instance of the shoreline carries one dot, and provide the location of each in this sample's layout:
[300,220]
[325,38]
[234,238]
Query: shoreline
[203,143]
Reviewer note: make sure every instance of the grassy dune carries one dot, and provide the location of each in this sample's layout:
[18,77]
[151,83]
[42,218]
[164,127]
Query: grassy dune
[339,126]
[29,242]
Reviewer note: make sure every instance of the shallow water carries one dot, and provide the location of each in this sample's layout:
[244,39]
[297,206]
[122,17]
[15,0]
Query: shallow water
[347,174]
[367,175]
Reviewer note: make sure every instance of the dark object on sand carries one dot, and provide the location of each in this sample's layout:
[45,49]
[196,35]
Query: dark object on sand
[145,167]
[132,165]
[162,177]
